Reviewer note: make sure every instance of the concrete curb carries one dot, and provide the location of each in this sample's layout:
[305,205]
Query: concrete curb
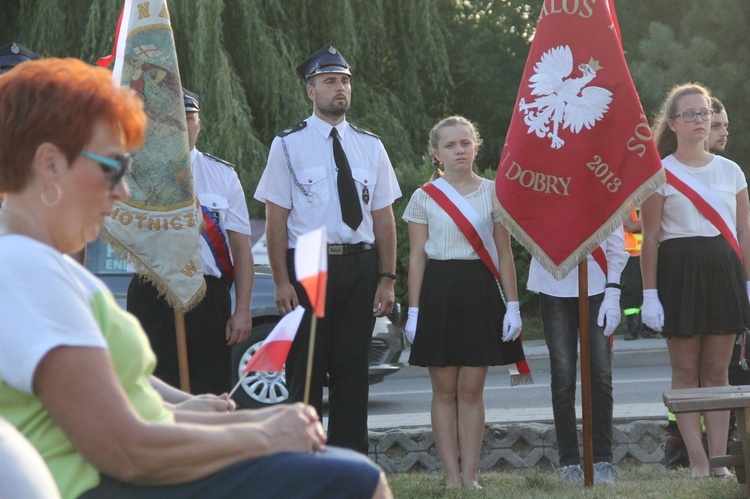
[510,447]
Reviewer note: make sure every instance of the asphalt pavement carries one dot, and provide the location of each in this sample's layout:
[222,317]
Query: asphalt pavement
[637,353]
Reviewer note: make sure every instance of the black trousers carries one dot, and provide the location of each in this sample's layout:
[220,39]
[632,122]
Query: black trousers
[342,346]
[209,357]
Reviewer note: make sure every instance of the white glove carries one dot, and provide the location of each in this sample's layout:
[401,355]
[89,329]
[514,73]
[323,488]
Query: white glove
[411,323]
[652,312]
[512,321]
[609,311]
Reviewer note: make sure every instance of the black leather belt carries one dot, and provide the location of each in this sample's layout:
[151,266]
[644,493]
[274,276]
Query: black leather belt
[348,249]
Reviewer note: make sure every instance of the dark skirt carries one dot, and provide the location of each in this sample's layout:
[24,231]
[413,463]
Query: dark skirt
[701,286]
[461,317]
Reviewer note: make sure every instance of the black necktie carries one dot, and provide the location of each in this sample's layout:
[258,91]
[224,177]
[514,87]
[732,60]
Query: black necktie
[351,210]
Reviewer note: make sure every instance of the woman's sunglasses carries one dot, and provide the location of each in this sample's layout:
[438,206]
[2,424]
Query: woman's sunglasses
[114,168]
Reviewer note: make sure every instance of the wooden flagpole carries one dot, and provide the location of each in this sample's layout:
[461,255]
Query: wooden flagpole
[237,385]
[182,358]
[310,352]
[583,328]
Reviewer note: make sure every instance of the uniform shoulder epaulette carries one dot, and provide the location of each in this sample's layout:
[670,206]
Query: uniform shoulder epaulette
[219,160]
[294,128]
[362,130]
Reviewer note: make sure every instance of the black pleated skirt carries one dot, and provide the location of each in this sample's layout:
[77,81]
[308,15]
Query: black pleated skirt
[701,286]
[460,318]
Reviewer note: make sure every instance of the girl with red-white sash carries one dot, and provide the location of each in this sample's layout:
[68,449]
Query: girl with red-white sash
[457,321]
[696,236]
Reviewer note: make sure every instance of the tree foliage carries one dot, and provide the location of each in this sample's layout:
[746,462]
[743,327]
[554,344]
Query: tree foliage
[698,40]
[490,41]
[241,56]
[413,62]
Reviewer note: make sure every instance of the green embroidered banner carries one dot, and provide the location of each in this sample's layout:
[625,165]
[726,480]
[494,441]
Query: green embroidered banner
[158,227]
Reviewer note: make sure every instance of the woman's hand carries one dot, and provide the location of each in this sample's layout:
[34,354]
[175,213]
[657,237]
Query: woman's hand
[411,323]
[652,312]
[512,321]
[295,428]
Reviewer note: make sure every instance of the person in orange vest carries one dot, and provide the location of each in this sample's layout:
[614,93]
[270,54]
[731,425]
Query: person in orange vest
[632,288]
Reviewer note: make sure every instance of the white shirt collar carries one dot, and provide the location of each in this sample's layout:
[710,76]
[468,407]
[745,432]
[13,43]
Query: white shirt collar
[325,128]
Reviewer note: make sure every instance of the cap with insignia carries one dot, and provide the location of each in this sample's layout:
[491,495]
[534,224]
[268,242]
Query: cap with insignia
[14,54]
[325,60]
[191,101]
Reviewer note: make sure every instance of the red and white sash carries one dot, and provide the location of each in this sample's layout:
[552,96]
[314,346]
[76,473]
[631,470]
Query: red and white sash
[468,221]
[706,202]
[473,228]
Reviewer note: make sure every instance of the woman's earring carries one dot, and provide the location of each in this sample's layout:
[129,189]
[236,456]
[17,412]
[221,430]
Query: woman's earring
[50,204]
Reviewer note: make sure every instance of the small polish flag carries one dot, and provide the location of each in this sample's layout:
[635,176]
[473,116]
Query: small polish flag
[106,61]
[311,267]
[271,356]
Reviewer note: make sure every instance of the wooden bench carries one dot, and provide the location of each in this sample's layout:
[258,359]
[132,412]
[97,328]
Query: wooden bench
[721,398]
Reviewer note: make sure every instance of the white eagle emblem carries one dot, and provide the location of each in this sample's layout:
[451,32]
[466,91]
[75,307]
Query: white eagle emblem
[563,99]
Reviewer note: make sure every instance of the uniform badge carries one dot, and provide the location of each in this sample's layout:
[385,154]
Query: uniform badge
[365,195]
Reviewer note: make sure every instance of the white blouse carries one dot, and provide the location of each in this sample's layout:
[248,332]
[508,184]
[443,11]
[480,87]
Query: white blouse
[445,241]
[680,217]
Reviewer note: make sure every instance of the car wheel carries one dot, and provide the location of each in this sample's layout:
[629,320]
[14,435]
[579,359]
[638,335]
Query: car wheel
[258,389]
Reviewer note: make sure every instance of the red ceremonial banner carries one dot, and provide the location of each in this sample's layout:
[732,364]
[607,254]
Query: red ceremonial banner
[579,152]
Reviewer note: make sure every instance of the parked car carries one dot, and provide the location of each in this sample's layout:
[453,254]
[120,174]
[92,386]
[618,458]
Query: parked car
[257,389]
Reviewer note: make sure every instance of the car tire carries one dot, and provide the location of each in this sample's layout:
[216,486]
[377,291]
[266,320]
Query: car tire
[258,389]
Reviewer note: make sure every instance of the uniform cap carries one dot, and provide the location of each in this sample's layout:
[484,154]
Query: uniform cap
[325,60]
[14,54]
[191,101]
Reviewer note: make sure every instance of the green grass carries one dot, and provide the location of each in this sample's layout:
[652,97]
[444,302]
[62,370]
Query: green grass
[634,481]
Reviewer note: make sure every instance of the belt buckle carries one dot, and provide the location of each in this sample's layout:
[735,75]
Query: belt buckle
[336,249]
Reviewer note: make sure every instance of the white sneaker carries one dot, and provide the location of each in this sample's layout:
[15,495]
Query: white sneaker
[571,474]
[605,473]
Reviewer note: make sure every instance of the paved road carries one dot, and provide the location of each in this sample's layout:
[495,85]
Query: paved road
[641,374]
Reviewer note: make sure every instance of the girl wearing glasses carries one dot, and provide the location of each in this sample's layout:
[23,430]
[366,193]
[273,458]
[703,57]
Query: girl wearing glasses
[696,236]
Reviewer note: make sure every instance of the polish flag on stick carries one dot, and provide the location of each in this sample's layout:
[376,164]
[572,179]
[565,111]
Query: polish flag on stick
[271,356]
[311,268]
[106,61]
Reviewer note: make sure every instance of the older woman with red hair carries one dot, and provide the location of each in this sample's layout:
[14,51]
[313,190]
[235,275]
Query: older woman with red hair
[74,367]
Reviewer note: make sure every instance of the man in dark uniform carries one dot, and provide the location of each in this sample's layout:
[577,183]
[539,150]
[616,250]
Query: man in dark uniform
[14,54]
[211,327]
[326,172]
